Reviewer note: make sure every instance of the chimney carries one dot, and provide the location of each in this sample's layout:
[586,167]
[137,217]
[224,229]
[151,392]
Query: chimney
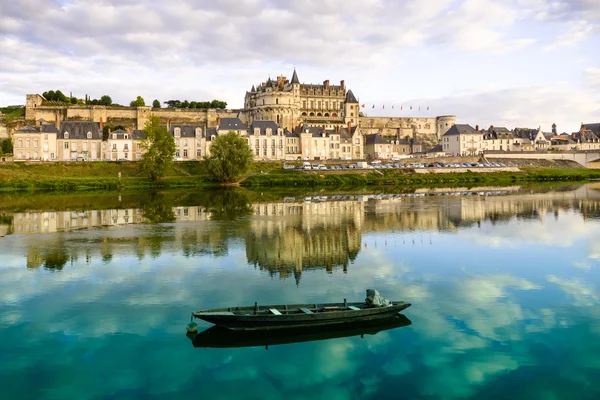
[343,87]
[582,130]
[326,84]
[491,127]
[349,127]
[477,128]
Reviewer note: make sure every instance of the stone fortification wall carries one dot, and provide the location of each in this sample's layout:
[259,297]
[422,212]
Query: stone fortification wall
[129,117]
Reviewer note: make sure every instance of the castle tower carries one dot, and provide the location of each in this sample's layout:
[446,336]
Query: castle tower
[351,112]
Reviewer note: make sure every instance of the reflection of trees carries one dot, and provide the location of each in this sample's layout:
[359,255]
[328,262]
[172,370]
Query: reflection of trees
[49,257]
[157,208]
[228,204]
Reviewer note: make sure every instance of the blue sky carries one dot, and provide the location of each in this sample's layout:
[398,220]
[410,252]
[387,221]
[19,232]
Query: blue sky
[504,63]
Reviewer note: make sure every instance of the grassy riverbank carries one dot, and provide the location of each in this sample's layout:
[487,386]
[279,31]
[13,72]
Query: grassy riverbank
[281,179]
[103,176]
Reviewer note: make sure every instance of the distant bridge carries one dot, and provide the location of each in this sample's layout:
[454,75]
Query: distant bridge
[583,157]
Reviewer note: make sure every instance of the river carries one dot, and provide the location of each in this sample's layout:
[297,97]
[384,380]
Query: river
[96,291]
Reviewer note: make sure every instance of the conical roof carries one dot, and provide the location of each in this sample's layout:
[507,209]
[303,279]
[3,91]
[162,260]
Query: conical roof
[350,97]
[295,77]
[269,82]
[252,90]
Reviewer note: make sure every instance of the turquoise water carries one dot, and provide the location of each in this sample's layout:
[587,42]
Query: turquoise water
[503,284]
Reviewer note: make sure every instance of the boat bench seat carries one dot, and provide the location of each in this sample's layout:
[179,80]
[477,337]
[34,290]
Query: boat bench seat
[305,310]
[274,311]
[354,308]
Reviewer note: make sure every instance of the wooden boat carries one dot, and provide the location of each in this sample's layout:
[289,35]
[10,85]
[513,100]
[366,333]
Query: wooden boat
[219,337]
[299,315]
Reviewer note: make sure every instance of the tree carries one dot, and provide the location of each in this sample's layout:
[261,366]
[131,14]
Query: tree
[105,100]
[160,149]
[156,103]
[218,104]
[230,157]
[185,104]
[7,147]
[173,103]
[138,102]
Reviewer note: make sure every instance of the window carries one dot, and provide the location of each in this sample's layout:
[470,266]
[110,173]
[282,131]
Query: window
[257,151]
[66,145]
[35,143]
[114,147]
[198,153]
[126,136]
[126,147]
[85,146]
[185,143]
[114,135]
[185,153]
[265,151]
[276,101]
[46,137]
[28,143]
[20,143]
[66,135]
[89,135]
[177,132]
[125,157]
[176,153]
[139,146]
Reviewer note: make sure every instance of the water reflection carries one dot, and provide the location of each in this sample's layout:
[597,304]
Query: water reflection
[225,338]
[504,290]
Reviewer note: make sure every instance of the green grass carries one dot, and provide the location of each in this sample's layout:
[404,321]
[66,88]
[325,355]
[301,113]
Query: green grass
[12,112]
[291,179]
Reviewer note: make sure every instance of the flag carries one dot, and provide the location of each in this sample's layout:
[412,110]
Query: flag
[392,106]
[383,106]
[373,106]
[411,107]
[428,108]
[419,108]
[400,107]
[363,106]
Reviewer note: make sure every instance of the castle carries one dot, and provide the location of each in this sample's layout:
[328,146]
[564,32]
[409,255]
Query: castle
[289,103]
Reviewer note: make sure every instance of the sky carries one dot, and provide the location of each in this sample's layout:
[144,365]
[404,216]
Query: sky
[513,63]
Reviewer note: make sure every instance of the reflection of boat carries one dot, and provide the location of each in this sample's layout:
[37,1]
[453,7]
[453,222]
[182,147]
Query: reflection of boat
[297,315]
[217,336]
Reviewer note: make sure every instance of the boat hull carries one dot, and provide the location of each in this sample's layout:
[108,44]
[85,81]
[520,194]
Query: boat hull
[239,320]
[220,337]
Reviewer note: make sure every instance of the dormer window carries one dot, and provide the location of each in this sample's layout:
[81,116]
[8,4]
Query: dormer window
[114,135]
[177,132]
[198,132]
[212,137]
[89,135]
[66,135]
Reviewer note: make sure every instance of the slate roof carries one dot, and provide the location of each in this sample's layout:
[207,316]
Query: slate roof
[287,133]
[253,89]
[295,77]
[79,130]
[231,124]
[315,131]
[350,97]
[186,130]
[585,137]
[497,133]
[49,128]
[436,149]
[262,126]
[376,139]
[138,134]
[593,127]
[28,129]
[461,129]
[120,134]
[210,132]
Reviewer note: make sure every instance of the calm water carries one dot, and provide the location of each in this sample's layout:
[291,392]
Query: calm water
[95,293]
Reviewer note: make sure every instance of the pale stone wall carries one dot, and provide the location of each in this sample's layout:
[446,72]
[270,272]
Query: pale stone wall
[71,149]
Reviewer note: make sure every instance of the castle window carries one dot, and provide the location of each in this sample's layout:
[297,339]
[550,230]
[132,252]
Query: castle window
[276,101]
[89,135]
[66,135]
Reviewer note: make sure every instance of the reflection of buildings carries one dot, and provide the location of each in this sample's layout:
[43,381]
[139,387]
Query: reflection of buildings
[286,238]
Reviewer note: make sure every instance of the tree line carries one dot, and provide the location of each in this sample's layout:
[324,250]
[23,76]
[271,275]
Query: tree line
[106,100]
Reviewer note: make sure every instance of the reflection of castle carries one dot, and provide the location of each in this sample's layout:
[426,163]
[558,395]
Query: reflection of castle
[298,236]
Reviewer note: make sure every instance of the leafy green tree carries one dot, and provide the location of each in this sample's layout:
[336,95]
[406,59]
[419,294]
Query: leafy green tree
[138,102]
[173,103]
[105,100]
[230,157]
[160,150]
[7,146]
[218,104]
[73,100]
[185,104]
[49,95]
[61,97]
[156,103]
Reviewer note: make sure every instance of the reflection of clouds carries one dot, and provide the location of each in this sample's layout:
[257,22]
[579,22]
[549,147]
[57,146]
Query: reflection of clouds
[561,232]
[583,293]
